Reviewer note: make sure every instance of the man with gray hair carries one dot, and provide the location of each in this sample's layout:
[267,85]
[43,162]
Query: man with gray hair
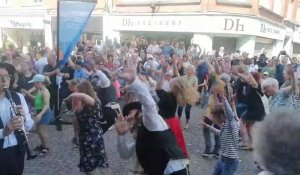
[277,143]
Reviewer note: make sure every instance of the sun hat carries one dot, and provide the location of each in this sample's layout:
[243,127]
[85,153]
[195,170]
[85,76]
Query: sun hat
[37,78]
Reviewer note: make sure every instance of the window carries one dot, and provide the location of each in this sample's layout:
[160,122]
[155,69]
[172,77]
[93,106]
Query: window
[145,2]
[278,6]
[290,9]
[4,3]
[266,4]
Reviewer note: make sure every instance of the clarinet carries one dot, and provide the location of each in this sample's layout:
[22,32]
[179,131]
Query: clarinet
[20,134]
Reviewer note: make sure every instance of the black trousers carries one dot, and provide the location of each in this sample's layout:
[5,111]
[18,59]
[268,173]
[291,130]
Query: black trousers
[53,99]
[12,160]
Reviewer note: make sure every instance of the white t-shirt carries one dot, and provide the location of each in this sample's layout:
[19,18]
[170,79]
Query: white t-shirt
[253,68]
[39,64]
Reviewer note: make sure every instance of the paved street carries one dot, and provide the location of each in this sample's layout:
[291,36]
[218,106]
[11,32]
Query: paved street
[63,158]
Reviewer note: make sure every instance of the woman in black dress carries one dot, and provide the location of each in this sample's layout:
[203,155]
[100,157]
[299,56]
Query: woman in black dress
[255,109]
[87,107]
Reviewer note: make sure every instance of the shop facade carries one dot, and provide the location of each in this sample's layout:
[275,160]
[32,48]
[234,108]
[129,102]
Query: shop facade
[25,32]
[210,30]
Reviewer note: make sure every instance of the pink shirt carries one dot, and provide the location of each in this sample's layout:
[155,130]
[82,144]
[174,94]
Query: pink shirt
[117,86]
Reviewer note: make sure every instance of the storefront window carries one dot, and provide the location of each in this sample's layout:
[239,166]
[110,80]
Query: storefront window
[135,2]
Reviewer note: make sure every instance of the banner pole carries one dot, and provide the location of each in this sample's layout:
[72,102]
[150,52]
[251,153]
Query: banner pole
[57,118]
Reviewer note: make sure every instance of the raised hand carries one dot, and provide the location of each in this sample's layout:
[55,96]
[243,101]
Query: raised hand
[290,71]
[128,74]
[122,125]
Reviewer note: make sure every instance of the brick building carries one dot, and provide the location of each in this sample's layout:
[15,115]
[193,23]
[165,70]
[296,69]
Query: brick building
[245,25]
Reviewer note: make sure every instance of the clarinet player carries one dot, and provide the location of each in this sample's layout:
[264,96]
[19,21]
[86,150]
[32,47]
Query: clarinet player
[12,153]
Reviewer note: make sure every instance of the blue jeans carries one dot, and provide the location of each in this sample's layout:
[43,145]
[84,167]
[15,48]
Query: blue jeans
[226,166]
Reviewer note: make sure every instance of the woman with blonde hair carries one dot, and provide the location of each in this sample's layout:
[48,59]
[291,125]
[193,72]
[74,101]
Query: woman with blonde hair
[180,94]
[190,82]
[87,109]
[42,106]
[216,90]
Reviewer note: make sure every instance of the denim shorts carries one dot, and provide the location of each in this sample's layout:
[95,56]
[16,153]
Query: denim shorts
[47,117]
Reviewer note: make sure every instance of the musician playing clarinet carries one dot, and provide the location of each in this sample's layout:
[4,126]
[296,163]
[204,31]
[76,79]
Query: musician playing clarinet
[12,153]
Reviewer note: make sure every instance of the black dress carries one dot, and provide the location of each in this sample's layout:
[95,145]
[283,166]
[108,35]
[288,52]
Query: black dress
[255,108]
[91,143]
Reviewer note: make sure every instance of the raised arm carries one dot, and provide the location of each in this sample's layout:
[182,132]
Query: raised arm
[161,77]
[293,87]
[249,79]
[229,113]
[85,98]
[151,119]
[210,68]
[103,82]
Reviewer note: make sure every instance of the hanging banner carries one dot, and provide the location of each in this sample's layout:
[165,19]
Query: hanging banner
[72,19]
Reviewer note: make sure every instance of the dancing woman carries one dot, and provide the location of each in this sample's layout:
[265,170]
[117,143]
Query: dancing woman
[157,149]
[87,109]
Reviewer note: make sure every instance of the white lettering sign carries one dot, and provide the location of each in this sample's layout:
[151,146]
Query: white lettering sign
[22,22]
[199,24]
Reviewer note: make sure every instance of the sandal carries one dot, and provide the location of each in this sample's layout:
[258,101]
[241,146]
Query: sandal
[44,151]
[38,148]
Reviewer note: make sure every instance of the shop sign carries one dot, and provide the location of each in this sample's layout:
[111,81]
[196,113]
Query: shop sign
[151,22]
[22,22]
[235,25]
[210,24]
[264,28]
[19,24]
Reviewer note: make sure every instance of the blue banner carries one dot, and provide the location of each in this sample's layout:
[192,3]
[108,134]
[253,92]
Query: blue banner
[73,17]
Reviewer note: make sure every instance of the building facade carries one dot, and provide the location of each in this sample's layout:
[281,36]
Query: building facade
[244,25]
[25,23]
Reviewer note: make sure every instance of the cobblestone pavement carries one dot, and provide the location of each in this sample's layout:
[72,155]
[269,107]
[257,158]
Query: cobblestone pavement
[63,158]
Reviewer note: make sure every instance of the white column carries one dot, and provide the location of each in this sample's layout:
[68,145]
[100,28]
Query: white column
[48,31]
[246,44]
[204,41]
[1,38]
[288,47]
[278,46]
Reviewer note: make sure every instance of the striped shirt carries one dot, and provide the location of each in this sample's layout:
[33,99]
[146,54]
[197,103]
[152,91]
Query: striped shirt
[229,134]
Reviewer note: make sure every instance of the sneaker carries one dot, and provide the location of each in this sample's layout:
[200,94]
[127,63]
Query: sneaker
[44,152]
[206,154]
[38,148]
[187,126]
[75,141]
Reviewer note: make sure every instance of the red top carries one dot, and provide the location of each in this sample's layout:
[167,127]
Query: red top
[175,126]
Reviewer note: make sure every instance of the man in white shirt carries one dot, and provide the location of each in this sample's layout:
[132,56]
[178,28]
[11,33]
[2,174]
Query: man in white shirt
[11,152]
[41,62]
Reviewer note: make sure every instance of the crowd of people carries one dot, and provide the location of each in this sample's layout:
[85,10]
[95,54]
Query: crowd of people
[140,87]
